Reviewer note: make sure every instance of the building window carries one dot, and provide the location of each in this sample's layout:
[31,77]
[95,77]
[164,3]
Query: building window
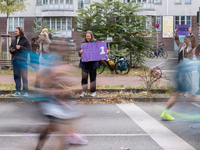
[177,1]
[39,2]
[13,22]
[80,4]
[158,1]
[61,24]
[158,20]
[127,1]
[69,24]
[187,1]
[140,1]
[87,1]
[182,20]
[39,21]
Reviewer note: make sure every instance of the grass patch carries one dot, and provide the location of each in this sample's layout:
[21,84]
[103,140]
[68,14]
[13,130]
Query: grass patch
[133,72]
[6,72]
[11,86]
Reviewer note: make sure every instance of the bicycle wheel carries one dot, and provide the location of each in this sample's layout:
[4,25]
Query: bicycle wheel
[100,67]
[164,54]
[122,72]
[151,54]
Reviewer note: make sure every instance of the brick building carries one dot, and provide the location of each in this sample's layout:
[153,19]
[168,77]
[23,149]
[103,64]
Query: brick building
[60,14]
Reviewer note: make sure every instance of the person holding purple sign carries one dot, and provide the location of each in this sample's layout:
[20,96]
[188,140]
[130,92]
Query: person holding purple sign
[88,68]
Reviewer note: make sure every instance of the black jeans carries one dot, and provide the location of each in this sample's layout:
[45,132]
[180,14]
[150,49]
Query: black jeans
[20,73]
[84,82]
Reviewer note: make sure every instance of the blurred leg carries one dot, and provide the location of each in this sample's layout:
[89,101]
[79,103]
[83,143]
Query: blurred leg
[17,78]
[84,81]
[93,74]
[24,74]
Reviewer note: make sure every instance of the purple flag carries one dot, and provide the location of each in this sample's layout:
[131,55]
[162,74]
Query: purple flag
[182,29]
[94,51]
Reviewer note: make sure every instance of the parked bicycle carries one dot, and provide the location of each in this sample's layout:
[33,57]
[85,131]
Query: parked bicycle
[158,52]
[117,63]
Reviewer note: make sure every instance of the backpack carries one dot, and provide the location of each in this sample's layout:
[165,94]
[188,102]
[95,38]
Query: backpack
[123,64]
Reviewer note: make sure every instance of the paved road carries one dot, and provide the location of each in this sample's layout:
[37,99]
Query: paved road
[165,64]
[110,127]
[168,68]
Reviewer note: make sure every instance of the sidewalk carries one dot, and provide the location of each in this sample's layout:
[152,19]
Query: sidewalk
[101,80]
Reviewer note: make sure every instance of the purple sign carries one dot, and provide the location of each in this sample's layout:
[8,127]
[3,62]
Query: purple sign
[182,29]
[94,51]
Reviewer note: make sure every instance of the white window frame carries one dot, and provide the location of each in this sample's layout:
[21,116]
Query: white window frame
[159,21]
[80,4]
[137,1]
[40,2]
[177,1]
[184,20]
[13,23]
[47,2]
[158,1]
[37,21]
[142,1]
[61,21]
[188,2]
[86,1]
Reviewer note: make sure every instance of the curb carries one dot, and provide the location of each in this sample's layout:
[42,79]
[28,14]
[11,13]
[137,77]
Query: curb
[158,91]
[138,99]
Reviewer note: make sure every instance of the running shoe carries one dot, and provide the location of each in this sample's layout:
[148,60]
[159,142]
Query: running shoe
[166,116]
[77,139]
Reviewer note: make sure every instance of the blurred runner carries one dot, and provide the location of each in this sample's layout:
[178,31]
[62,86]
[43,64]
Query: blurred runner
[53,89]
[184,72]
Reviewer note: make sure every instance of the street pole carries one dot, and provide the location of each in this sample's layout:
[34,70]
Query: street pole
[157,40]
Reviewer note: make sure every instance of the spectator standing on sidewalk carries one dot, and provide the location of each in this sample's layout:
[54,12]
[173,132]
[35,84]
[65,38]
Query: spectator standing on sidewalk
[19,49]
[47,31]
[88,68]
[35,56]
[44,44]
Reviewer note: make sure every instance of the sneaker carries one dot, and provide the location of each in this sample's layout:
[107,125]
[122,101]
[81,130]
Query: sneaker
[77,139]
[25,94]
[16,94]
[94,94]
[83,94]
[166,116]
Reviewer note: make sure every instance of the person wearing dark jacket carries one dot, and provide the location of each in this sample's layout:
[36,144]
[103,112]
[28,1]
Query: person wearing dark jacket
[19,49]
[35,53]
[35,57]
[88,67]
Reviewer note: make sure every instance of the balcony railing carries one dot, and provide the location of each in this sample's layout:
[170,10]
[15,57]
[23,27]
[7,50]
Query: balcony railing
[58,5]
[148,6]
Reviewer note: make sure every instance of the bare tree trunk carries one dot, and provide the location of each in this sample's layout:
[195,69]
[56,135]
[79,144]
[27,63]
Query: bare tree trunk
[7,39]
[7,34]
